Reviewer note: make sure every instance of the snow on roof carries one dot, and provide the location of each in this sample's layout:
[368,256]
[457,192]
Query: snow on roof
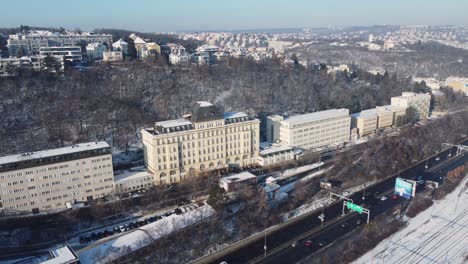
[369,113]
[61,255]
[391,107]
[173,123]
[274,149]
[231,115]
[238,177]
[120,41]
[316,116]
[132,174]
[54,152]
[138,40]
[204,103]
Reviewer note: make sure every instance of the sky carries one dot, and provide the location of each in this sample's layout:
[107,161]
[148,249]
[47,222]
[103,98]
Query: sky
[184,15]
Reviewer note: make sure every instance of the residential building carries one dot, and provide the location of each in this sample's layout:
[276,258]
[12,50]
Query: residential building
[178,55]
[140,46]
[314,130]
[120,45]
[31,43]
[95,51]
[70,53]
[112,56]
[273,128]
[274,154]
[421,102]
[133,180]
[9,65]
[279,46]
[55,178]
[389,44]
[205,139]
[236,181]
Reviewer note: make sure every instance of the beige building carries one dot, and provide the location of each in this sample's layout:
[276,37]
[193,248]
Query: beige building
[458,84]
[324,128]
[365,122]
[397,111]
[275,153]
[56,178]
[368,121]
[273,128]
[112,56]
[204,139]
[421,102]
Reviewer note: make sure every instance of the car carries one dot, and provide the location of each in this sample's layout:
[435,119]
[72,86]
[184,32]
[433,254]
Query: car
[308,243]
[383,198]
[344,225]
[94,236]
[121,228]
[395,197]
[82,240]
[294,244]
[322,243]
[178,211]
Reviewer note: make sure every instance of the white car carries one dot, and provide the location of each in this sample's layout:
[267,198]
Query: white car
[383,198]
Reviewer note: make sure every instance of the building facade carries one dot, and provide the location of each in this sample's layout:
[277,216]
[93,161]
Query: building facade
[273,124]
[50,179]
[421,102]
[204,139]
[368,121]
[120,45]
[69,53]
[314,130]
[275,154]
[95,51]
[36,63]
[112,56]
[133,180]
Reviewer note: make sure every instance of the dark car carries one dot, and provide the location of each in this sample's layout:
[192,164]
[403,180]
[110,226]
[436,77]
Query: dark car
[94,236]
[82,240]
[322,243]
[178,211]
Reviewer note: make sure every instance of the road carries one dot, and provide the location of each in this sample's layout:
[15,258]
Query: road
[279,242]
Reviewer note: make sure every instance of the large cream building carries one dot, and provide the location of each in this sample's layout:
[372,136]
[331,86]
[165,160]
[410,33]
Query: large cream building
[49,179]
[421,102]
[368,121]
[314,130]
[204,139]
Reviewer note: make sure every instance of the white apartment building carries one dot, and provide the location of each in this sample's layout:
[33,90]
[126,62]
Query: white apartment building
[112,56]
[314,130]
[178,55]
[120,45]
[421,102]
[55,178]
[32,42]
[32,62]
[95,51]
[204,139]
[70,53]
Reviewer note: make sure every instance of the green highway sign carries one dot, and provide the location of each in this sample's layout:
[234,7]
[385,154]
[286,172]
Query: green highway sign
[354,207]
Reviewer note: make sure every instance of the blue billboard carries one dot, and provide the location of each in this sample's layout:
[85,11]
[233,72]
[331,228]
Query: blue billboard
[404,189]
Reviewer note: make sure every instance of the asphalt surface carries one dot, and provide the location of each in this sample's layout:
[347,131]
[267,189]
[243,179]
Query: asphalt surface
[279,249]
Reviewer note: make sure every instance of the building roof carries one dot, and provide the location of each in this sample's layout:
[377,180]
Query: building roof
[230,115]
[203,111]
[173,123]
[62,255]
[238,177]
[369,113]
[316,116]
[54,152]
[275,149]
[120,42]
[132,174]
[139,40]
[391,107]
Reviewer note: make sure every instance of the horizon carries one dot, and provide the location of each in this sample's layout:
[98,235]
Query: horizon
[208,15]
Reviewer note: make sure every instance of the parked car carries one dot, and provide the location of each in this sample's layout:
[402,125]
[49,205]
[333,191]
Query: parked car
[178,211]
[308,243]
[322,243]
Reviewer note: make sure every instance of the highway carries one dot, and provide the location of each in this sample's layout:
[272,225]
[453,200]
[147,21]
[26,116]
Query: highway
[279,249]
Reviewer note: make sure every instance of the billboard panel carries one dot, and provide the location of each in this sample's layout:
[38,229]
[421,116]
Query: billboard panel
[404,188]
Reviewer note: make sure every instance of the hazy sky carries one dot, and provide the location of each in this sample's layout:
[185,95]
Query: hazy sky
[179,15]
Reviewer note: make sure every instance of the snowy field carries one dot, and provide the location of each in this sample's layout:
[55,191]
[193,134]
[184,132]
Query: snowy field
[437,235]
[112,249]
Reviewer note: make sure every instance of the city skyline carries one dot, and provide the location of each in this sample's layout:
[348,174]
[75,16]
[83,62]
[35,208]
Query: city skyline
[240,15]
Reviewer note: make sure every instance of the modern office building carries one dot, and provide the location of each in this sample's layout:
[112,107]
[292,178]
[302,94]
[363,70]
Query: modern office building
[69,53]
[421,102]
[314,130]
[273,128]
[55,178]
[205,139]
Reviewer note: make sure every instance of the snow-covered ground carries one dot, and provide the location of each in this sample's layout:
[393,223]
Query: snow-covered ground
[437,235]
[112,249]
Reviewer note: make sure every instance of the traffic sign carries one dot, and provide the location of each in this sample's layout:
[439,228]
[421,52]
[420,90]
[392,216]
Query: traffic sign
[354,207]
